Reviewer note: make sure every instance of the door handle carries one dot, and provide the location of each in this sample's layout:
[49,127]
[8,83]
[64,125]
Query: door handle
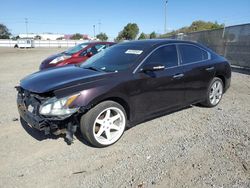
[210,69]
[177,76]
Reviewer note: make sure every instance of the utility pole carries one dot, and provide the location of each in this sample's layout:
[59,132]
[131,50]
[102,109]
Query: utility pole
[26,24]
[224,28]
[94,30]
[165,24]
[99,26]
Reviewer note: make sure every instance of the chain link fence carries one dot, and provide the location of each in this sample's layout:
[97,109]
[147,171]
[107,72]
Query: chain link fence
[232,42]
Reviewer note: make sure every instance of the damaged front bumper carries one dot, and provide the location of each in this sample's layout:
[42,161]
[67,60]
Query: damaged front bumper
[28,107]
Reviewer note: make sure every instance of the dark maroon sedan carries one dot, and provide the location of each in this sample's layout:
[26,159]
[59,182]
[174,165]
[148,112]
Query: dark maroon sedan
[122,86]
[75,55]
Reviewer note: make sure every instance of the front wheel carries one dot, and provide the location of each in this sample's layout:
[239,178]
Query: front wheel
[104,124]
[214,93]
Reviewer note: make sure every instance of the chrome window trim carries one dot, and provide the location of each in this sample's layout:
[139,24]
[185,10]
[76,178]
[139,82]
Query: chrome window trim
[178,56]
[138,66]
[208,54]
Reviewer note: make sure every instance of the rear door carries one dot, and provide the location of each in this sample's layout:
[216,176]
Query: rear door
[198,71]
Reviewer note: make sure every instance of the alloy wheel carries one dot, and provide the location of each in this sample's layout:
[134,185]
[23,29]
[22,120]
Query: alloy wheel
[109,126]
[216,92]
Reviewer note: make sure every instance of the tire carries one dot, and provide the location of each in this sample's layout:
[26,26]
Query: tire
[214,93]
[104,124]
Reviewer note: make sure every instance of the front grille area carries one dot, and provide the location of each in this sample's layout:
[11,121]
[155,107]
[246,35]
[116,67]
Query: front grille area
[28,104]
[31,101]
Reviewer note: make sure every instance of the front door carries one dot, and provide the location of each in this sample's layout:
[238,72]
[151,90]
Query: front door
[159,90]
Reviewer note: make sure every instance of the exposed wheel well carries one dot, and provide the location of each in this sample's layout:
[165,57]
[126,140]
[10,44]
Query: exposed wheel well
[223,80]
[121,102]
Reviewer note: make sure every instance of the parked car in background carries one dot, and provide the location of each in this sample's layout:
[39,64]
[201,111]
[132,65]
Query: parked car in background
[75,55]
[24,43]
[119,87]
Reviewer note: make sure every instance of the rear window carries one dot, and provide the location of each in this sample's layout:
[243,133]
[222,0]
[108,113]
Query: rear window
[190,54]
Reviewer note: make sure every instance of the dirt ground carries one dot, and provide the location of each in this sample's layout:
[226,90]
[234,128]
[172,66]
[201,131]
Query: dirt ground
[194,147]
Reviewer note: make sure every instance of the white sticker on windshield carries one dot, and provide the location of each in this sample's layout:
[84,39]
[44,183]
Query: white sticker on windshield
[136,52]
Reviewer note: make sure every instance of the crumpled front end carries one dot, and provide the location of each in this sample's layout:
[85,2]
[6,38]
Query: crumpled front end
[28,105]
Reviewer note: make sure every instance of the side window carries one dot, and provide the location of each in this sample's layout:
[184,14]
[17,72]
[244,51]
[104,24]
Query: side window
[166,56]
[84,53]
[190,54]
[100,47]
[94,49]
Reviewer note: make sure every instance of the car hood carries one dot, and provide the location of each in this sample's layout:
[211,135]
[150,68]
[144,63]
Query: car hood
[52,57]
[46,62]
[57,78]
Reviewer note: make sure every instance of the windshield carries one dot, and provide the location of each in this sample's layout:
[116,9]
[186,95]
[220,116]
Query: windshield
[75,49]
[113,59]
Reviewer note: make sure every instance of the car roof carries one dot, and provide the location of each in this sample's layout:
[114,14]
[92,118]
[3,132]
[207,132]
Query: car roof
[97,42]
[153,42]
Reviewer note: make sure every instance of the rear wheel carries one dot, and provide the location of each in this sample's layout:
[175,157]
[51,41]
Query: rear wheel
[214,93]
[104,124]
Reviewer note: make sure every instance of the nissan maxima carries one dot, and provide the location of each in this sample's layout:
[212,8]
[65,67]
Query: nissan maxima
[122,86]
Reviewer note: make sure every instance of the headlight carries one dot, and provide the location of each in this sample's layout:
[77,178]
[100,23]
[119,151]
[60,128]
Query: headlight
[58,59]
[59,107]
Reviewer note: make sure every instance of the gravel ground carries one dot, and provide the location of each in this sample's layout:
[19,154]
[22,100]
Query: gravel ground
[194,147]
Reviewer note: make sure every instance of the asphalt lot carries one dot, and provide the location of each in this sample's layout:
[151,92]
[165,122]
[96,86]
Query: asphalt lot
[194,147]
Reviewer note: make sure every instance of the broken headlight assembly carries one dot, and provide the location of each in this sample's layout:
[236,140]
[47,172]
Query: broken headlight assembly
[59,107]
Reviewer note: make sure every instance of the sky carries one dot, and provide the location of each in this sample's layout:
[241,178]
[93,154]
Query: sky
[72,16]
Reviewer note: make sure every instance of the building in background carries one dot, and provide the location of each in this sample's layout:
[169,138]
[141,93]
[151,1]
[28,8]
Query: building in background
[41,36]
[84,37]
[51,36]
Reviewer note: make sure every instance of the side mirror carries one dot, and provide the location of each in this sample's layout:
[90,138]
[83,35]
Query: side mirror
[153,67]
[89,54]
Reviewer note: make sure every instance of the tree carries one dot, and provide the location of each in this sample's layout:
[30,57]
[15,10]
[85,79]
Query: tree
[202,25]
[119,38]
[37,37]
[142,36]
[195,26]
[102,36]
[60,38]
[4,32]
[129,32]
[152,35]
[76,36]
[16,37]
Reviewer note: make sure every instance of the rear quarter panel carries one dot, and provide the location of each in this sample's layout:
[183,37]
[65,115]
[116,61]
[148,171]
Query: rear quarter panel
[223,70]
